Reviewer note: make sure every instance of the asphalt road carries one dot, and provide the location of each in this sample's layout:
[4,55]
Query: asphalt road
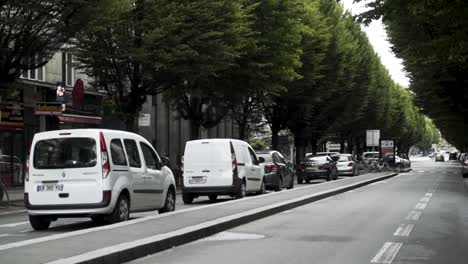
[15,227]
[416,217]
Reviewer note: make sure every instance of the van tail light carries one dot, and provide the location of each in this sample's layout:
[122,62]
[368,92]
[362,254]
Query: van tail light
[26,200]
[350,164]
[327,166]
[104,157]
[466,163]
[234,163]
[26,165]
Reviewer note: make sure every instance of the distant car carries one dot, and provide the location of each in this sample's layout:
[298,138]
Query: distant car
[465,167]
[432,155]
[278,173]
[324,154]
[315,167]
[371,156]
[439,157]
[346,165]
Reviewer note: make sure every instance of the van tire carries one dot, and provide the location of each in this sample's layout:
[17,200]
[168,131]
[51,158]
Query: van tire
[213,197]
[170,203]
[99,219]
[242,191]
[121,211]
[187,198]
[39,222]
[262,188]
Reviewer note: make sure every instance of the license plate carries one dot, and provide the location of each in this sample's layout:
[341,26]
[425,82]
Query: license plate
[198,180]
[310,168]
[50,188]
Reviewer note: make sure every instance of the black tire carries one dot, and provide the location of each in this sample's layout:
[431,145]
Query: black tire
[99,219]
[330,176]
[465,175]
[213,197]
[121,211]
[262,188]
[170,203]
[307,181]
[187,198]
[300,180]
[279,184]
[291,183]
[242,191]
[356,172]
[336,175]
[39,222]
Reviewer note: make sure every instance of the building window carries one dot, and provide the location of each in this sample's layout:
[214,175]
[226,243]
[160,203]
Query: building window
[34,74]
[68,68]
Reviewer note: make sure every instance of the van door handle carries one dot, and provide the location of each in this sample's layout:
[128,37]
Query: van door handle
[253,169]
[205,171]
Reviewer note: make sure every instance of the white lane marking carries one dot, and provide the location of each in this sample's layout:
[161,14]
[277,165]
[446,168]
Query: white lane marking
[14,224]
[4,235]
[285,212]
[404,230]
[230,236]
[425,199]
[144,219]
[414,216]
[26,231]
[429,194]
[13,212]
[11,235]
[387,253]
[379,182]
[420,206]
[421,171]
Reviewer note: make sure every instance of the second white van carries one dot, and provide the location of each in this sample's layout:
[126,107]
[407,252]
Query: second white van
[215,167]
[102,174]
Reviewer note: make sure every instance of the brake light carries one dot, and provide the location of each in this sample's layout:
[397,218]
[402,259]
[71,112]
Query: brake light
[26,200]
[300,167]
[106,197]
[104,157]
[350,164]
[234,161]
[326,166]
[26,166]
[466,163]
[235,174]
[271,167]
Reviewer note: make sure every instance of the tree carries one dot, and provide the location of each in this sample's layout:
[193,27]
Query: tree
[430,37]
[32,31]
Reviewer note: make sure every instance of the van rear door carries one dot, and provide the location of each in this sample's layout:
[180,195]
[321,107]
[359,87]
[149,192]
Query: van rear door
[208,163]
[65,170]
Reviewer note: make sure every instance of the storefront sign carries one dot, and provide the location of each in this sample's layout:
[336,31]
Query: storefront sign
[144,120]
[372,138]
[11,117]
[387,146]
[48,109]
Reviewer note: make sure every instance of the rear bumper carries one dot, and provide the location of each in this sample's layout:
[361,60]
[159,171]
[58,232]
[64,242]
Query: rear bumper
[465,170]
[218,190]
[271,179]
[346,171]
[309,175]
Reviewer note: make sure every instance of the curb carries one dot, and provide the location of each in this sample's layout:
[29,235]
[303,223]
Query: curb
[140,248]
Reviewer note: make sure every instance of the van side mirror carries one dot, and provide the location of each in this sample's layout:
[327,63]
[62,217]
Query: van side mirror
[261,160]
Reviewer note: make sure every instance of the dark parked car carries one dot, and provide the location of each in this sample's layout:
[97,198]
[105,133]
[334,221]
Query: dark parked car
[316,167]
[278,173]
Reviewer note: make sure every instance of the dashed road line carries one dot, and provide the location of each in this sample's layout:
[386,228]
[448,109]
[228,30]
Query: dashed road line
[387,253]
[429,194]
[12,212]
[14,224]
[404,230]
[425,199]
[420,206]
[413,216]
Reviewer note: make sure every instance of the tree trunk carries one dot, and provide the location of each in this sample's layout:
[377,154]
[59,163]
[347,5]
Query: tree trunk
[342,146]
[242,131]
[274,138]
[130,124]
[194,130]
[313,143]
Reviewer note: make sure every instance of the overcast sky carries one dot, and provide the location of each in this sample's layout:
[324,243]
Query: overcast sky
[378,38]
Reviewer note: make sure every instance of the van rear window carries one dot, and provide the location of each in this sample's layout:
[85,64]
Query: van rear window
[61,153]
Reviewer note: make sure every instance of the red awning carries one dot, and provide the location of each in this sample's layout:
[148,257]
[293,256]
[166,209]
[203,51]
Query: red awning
[80,119]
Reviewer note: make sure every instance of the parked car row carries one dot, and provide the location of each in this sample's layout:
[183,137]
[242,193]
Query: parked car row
[463,159]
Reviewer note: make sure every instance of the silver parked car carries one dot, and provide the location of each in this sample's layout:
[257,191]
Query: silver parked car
[346,165]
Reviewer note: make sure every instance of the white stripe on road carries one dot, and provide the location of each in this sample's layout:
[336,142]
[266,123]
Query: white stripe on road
[425,199]
[387,253]
[11,235]
[14,224]
[420,206]
[421,171]
[404,230]
[147,218]
[414,216]
[13,212]
[429,194]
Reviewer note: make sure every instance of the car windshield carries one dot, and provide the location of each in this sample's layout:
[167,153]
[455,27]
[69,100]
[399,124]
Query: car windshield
[63,153]
[343,158]
[320,159]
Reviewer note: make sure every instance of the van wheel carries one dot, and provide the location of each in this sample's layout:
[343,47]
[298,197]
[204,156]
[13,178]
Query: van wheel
[121,211]
[262,188]
[213,197]
[39,222]
[241,192]
[187,198]
[169,205]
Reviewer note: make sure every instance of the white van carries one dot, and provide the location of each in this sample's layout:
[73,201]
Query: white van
[215,167]
[103,174]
